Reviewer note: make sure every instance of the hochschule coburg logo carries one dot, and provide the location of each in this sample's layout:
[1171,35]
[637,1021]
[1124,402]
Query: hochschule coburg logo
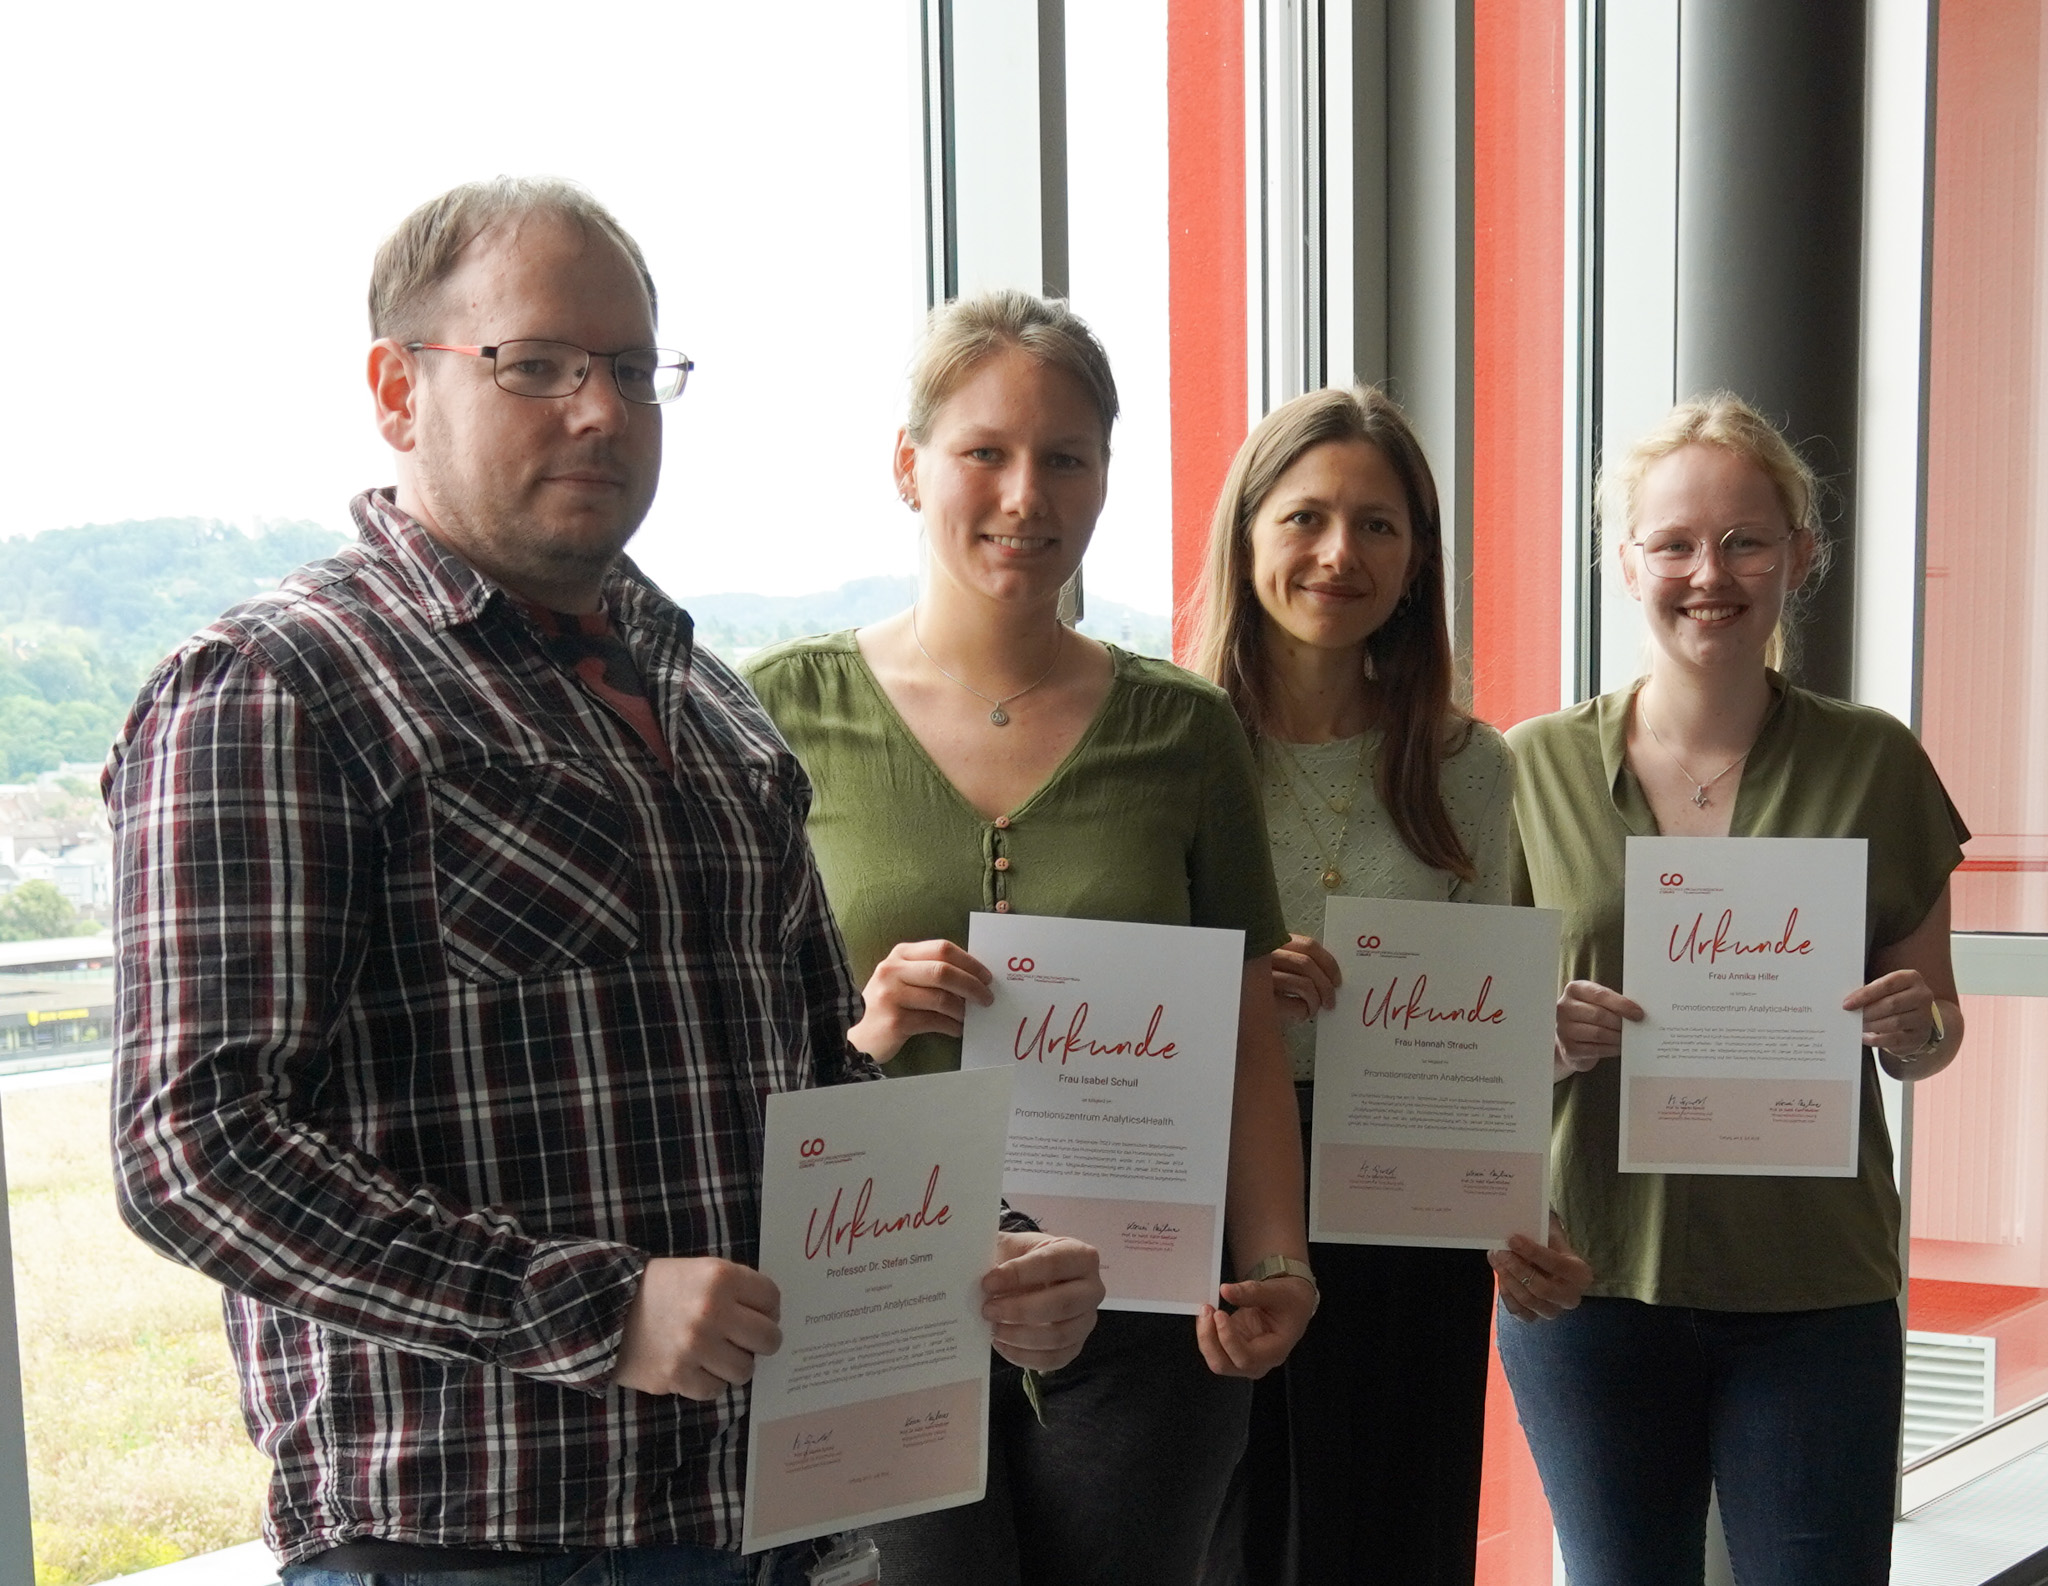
[1022,966]
[1670,880]
[812,1147]
[1368,944]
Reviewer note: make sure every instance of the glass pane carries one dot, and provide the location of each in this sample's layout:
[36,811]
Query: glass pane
[1977,1311]
[137,1454]
[1985,699]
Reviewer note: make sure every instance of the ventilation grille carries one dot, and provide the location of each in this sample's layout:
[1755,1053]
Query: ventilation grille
[1950,1382]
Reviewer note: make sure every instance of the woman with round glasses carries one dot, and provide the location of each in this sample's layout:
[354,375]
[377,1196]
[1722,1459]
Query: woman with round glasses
[1323,619]
[1743,1332]
[975,753]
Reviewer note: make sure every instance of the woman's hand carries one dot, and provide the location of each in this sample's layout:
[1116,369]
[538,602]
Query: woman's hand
[1589,1019]
[921,988]
[1250,1341]
[1898,1011]
[1043,1294]
[1540,1283]
[1305,977]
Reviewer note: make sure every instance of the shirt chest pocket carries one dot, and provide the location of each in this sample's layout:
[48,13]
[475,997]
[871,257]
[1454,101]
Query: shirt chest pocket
[533,871]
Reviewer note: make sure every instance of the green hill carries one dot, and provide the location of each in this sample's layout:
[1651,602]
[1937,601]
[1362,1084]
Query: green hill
[86,612]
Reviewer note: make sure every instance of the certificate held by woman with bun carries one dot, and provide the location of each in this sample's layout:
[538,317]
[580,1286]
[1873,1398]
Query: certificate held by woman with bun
[1432,1097]
[1123,1041]
[879,1208]
[1740,951]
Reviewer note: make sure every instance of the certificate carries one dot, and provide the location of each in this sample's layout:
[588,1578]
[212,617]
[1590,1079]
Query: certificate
[1740,951]
[1123,1039]
[1433,1075]
[879,1206]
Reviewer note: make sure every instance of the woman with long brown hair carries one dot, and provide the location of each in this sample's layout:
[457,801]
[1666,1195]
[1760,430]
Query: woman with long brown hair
[1323,619]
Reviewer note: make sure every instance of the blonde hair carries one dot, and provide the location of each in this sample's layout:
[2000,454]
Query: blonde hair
[1722,419]
[423,252]
[1410,653]
[962,335]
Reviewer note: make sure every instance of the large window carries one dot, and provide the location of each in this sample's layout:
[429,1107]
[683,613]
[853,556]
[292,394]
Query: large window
[1979,1293]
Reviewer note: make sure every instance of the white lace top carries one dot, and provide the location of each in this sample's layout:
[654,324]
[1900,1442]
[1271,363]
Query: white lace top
[1478,786]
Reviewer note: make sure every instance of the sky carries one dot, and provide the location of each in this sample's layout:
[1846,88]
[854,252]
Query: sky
[198,191]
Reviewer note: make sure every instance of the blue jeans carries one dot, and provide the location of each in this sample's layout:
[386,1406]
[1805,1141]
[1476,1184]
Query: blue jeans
[1634,1411]
[680,1565]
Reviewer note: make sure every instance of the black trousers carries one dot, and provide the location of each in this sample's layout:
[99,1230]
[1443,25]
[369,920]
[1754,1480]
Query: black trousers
[1120,1487]
[1364,1458]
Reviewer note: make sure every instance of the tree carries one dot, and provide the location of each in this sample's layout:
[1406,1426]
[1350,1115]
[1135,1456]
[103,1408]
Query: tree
[36,910]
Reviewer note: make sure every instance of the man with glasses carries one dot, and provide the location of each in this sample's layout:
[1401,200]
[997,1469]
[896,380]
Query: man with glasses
[466,919]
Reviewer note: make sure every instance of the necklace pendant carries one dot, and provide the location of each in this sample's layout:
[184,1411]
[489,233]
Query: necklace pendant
[1332,879]
[1699,799]
[1339,806]
[999,717]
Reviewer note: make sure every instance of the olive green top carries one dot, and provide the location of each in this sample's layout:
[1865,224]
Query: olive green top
[1478,786]
[1820,768]
[1153,816]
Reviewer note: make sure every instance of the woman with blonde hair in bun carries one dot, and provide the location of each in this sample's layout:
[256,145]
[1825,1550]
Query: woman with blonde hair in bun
[975,753]
[1743,1335]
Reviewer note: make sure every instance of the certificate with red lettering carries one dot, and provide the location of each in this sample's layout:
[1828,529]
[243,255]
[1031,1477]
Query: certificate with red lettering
[1740,951]
[879,1207]
[1123,1039]
[1433,1075]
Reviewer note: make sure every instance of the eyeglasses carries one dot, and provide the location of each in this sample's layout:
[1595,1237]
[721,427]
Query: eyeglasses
[1743,552]
[648,375]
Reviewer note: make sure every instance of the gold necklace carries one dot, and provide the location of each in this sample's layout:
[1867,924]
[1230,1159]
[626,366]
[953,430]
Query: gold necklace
[1342,805]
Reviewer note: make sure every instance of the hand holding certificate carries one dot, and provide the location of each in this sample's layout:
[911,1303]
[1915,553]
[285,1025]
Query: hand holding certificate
[1740,951]
[878,1219]
[1432,1100]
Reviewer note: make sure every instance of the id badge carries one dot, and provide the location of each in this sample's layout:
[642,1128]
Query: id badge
[853,1561]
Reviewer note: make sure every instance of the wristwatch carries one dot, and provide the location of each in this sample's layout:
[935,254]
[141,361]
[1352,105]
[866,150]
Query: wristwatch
[1932,1044]
[1278,1266]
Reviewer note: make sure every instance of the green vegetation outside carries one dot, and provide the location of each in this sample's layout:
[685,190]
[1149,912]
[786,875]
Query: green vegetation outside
[137,1453]
[36,911]
[86,613]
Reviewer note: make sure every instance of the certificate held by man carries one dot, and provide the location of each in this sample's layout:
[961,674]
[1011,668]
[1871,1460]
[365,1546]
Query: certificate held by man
[879,1210]
[1740,951]
[1433,1075]
[1123,1040]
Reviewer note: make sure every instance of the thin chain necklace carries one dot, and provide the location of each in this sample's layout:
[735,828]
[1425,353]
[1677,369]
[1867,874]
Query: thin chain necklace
[1332,878]
[1699,797]
[997,716]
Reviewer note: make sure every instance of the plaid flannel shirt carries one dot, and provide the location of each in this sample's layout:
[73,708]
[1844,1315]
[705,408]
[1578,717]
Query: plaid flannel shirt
[441,1009]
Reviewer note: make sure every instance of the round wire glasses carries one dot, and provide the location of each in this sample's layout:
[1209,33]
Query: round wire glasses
[1743,552]
[648,375]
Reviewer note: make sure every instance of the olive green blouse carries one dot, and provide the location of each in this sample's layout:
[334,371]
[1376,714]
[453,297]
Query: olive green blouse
[1154,816]
[1820,768]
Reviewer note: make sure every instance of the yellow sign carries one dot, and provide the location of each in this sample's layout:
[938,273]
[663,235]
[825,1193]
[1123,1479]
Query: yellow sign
[52,1018]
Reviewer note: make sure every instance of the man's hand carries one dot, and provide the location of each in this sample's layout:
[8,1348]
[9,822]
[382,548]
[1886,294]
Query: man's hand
[1540,1283]
[695,1327]
[1043,1295]
[1269,1320]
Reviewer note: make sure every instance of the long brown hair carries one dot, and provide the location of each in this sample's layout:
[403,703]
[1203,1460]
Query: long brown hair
[1410,652]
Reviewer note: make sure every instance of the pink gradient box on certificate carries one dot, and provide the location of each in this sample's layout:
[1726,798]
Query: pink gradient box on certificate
[1699,1125]
[1403,1193]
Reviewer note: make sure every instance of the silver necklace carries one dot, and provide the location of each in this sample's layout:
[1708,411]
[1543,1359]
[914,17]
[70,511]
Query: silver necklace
[997,716]
[1699,797]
